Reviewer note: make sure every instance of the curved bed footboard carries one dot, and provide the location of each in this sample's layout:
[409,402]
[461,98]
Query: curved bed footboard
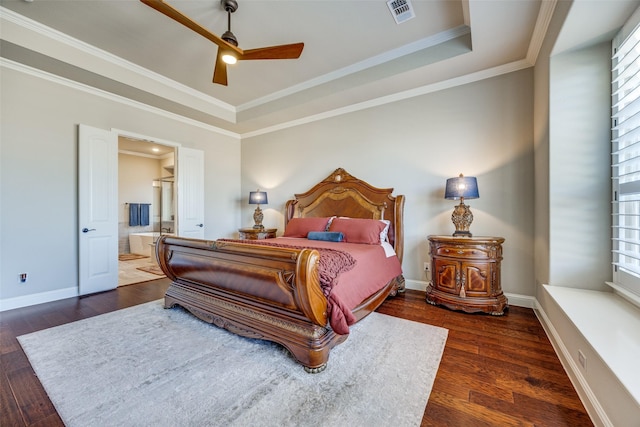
[253,291]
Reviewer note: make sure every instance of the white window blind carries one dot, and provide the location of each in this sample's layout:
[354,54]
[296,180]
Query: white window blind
[625,154]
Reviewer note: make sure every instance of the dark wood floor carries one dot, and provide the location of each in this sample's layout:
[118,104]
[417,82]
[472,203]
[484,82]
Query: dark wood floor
[495,371]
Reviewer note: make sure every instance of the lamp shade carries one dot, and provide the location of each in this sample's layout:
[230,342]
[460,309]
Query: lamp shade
[258,198]
[461,187]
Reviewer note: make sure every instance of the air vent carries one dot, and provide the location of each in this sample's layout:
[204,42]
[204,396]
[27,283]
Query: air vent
[402,10]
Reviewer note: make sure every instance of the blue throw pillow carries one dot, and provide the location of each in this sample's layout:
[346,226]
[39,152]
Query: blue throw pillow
[327,236]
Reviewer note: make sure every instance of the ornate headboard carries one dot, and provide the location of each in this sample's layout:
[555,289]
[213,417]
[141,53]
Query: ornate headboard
[342,194]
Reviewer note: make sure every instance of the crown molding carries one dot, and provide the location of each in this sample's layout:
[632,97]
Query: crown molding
[547,7]
[400,96]
[545,14]
[382,58]
[94,52]
[16,66]
[423,90]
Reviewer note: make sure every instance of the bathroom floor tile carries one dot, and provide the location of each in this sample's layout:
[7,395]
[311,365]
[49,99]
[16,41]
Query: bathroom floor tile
[129,274]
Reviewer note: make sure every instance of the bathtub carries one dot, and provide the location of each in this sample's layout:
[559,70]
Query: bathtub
[144,243]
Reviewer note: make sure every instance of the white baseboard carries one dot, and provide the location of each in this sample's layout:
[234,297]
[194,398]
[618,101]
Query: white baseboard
[521,300]
[514,299]
[40,298]
[416,285]
[27,300]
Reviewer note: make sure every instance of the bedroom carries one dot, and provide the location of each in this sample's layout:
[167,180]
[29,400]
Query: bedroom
[493,128]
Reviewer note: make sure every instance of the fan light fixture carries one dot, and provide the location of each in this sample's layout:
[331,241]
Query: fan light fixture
[229,59]
[227,43]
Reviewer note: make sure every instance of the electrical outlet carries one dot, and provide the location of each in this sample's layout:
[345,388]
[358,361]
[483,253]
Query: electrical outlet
[582,359]
[23,277]
[426,266]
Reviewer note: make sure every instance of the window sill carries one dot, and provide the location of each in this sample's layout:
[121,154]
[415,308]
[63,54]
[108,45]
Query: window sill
[610,324]
[624,293]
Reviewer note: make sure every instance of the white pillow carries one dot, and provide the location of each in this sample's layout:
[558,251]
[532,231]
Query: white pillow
[384,233]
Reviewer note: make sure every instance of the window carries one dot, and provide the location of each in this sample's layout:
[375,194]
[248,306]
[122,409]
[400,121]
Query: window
[625,154]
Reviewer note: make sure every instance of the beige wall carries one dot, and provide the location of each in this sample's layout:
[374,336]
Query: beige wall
[135,178]
[572,163]
[580,168]
[482,129]
[572,208]
[38,190]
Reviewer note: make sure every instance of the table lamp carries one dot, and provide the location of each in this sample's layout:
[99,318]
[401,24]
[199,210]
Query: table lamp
[462,187]
[258,198]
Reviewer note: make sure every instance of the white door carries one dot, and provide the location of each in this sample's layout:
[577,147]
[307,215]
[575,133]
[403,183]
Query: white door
[190,176]
[97,210]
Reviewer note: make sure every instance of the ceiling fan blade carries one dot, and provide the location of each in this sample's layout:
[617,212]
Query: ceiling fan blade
[220,70]
[285,51]
[178,16]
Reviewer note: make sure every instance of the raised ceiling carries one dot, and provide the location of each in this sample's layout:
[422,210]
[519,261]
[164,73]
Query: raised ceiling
[355,54]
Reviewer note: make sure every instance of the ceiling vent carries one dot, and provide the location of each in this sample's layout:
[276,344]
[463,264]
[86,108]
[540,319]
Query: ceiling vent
[402,10]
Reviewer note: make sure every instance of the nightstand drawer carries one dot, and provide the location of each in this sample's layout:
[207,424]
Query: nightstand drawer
[462,252]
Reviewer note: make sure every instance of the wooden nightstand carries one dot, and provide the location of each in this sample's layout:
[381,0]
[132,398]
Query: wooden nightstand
[465,274]
[257,233]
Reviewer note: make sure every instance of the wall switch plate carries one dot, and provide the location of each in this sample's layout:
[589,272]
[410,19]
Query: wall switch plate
[426,266]
[23,277]
[582,359]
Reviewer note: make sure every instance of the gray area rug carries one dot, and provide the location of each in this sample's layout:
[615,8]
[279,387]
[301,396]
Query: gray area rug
[147,366]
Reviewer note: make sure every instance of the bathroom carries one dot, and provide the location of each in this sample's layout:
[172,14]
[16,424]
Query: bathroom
[146,206]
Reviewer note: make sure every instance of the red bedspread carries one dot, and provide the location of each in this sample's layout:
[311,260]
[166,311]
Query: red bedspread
[349,274]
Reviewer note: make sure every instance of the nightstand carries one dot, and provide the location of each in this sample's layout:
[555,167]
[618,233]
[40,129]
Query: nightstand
[257,233]
[465,274]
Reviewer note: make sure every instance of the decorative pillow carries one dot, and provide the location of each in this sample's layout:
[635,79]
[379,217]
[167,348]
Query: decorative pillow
[359,230]
[384,234]
[327,236]
[300,227]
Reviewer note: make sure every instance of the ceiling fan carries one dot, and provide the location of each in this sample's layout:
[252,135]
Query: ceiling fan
[228,50]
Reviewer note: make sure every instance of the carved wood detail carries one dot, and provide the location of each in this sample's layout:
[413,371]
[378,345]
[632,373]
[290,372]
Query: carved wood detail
[274,293]
[466,274]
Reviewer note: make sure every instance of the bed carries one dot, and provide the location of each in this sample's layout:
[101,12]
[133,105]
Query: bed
[302,290]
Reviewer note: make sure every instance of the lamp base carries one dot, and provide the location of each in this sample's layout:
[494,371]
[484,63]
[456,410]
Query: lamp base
[258,216]
[462,219]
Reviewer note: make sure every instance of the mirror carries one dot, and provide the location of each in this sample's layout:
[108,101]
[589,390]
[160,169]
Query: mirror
[167,205]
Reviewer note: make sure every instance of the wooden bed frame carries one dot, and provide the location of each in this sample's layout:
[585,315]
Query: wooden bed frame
[274,293]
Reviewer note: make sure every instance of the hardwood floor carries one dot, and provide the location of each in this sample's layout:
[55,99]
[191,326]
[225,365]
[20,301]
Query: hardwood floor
[495,371]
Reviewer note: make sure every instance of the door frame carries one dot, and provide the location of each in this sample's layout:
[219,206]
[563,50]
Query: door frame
[146,138]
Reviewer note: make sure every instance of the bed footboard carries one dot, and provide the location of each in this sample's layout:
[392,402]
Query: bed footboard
[254,291]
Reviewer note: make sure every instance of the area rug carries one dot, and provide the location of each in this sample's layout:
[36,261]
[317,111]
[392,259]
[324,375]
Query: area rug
[148,366]
[130,257]
[153,269]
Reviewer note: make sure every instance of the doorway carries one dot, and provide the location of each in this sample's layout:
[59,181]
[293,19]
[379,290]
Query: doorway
[107,203]
[147,206]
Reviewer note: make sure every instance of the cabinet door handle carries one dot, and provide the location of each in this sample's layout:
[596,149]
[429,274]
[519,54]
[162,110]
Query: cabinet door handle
[460,252]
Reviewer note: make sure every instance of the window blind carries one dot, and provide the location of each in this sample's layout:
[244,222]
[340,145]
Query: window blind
[625,156]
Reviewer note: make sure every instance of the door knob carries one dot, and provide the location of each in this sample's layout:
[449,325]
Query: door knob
[86,230]
[199,225]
